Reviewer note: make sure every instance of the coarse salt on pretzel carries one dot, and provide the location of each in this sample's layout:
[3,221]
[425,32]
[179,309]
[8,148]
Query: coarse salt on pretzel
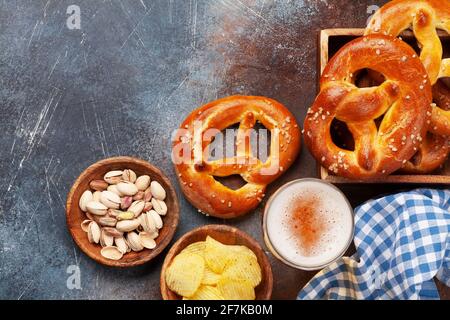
[400,100]
[424,17]
[196,172]
[435,149]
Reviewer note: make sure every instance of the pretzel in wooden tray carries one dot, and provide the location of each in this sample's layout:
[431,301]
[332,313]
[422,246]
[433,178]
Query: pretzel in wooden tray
[196,172]
[435,149]
[399,101]
[424,17]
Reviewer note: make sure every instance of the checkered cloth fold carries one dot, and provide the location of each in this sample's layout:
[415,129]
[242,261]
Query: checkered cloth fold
[402,242]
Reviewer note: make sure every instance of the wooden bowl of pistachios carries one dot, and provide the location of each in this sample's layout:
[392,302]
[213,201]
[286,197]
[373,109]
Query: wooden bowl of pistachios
[122,211]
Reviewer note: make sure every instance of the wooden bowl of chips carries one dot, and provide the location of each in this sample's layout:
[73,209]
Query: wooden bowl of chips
[228,236]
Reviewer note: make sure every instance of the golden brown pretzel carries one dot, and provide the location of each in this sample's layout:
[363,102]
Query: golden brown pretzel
[424,17]
[435,149]
[431,155]
[196,172]
[400,98]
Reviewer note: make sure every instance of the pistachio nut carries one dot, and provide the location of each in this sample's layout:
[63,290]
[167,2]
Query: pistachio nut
[93,232]
[134,242]
[147,195]
[127,188]
[147,223]
[113,177]
[137,207]
[158,191]
[147,207]
[111,253]
[159,206]
[129,175]
[84,199]
[105,239]
[142,182]
[107,221]
[139,195]
[110,199]
[156,218]
[127,225]
[126,202]
[113,232]
[98,185]
[113,188]
[85,225]
[96,196]
[121,244]
[127,215]
[96,208]
[146,240]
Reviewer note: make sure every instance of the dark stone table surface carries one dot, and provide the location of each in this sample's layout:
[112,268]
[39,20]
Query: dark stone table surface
[120,85]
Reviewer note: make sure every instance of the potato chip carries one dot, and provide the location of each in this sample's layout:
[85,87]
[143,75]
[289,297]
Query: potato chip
[217,255]
[235,289]
[207,293]
[210,277]
[246,267]
[185,274]
[196,248]
[243,250]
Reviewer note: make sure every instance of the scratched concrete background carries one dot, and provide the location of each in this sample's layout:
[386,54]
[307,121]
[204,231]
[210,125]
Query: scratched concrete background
[119,86]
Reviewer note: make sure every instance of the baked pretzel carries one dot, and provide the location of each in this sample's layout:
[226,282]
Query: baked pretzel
[400,98]
[431,155]
[424,17]
[435,149]
[196,172]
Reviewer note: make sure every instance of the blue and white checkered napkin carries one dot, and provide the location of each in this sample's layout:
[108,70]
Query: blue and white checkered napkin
[402,243]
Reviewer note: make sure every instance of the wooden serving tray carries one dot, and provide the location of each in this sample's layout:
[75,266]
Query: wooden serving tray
[330,41]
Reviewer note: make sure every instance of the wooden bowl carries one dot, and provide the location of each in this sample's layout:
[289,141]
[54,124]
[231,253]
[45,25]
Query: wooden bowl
[227,235]
[75,216]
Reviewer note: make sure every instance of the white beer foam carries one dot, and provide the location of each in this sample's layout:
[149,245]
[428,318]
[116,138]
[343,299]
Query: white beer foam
[332,211]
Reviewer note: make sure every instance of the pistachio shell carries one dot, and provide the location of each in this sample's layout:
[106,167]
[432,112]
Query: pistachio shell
[127,225]
[113,232]
[93,232]
[113,177]
[147,195]
[146,240]
[98,185]
[134,242]
[84,199]
[121,244]
[147,207]
[85,225]
[96,208]
[137,207]
[113,188]
[147,223]
[107,221]
[110,199]
[127,188]
[111,253]
[156,218]
[159,206]
[158,191]
[129,175]
[96,196]
[139,195]
[142,182]
[106,240]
